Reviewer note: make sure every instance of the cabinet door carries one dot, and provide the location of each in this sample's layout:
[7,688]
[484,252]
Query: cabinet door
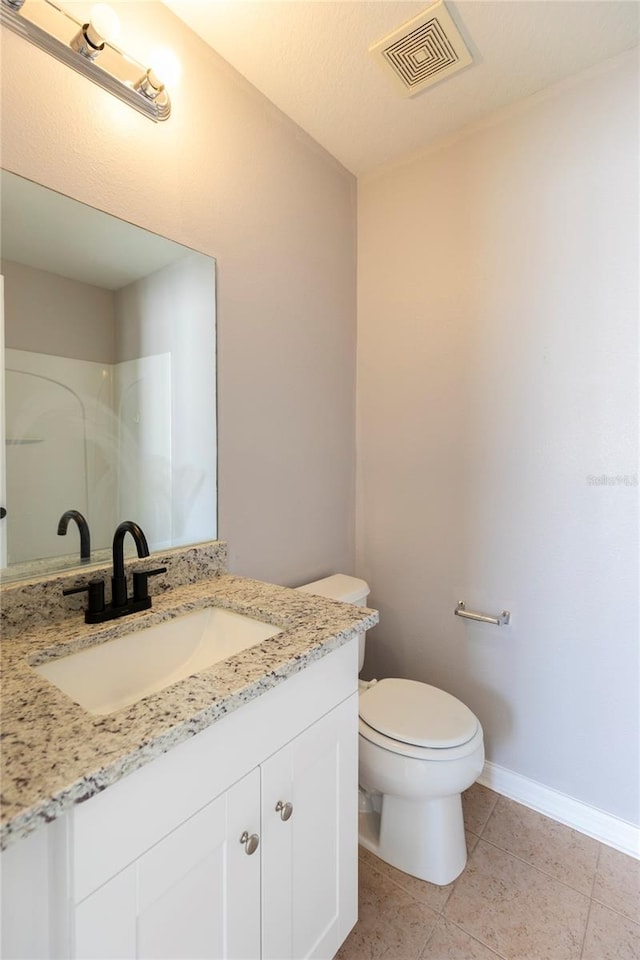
[309,861]
[24,875]
[195,894]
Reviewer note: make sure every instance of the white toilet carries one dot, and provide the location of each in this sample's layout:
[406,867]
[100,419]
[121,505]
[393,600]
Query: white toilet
[419,748]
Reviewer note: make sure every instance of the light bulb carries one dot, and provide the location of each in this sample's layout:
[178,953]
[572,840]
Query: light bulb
[166,66]
[104,26]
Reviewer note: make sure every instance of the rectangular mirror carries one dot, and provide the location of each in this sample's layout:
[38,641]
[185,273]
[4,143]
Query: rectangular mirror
[109,382]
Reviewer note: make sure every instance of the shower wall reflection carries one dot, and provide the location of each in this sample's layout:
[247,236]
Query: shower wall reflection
[50,456]
[90,435]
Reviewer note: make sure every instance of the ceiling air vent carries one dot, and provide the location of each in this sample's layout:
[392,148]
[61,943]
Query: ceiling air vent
[423,51]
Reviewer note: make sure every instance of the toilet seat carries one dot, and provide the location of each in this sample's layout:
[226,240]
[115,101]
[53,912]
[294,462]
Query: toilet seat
[433,754]
[418,720]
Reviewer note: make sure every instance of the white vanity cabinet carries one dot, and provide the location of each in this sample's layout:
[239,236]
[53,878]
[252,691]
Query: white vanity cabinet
[155,867]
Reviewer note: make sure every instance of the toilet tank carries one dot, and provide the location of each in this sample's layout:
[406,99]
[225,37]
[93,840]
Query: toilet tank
[347,590]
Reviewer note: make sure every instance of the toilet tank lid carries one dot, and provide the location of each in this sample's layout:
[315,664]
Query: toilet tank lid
[339,587]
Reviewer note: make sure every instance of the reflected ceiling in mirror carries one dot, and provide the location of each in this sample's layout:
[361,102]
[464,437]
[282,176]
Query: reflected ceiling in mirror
[109,382]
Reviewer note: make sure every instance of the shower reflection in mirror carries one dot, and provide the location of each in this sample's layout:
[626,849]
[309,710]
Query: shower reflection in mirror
[109,378]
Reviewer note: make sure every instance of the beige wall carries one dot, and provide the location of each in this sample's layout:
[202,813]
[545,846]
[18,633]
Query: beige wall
[497,382]
[231,176]
[47,313]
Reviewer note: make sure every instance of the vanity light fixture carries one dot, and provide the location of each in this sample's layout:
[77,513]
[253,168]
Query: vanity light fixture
[89,49]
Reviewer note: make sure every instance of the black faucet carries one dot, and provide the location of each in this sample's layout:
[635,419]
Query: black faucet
[119,580]
[83,527]
[121,605]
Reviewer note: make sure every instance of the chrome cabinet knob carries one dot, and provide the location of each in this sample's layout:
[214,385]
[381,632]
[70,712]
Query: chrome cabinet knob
[284,809]
[250,841]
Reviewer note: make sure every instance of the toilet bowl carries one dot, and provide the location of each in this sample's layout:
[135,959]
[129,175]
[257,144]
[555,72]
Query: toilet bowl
[419,748]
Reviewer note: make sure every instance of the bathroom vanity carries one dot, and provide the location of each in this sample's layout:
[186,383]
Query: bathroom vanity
[128,836]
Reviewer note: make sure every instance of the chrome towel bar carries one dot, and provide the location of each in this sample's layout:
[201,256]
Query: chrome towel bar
[501,620]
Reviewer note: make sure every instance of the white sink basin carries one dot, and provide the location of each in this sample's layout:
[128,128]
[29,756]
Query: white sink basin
[119,672]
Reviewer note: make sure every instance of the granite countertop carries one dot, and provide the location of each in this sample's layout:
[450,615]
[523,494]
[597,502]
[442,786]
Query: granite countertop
[55,754]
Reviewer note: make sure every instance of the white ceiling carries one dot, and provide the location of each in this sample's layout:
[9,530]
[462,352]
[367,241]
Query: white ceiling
[310,57]
[48,231]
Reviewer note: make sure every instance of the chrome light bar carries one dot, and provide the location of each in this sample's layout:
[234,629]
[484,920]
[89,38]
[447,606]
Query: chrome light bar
[81,47]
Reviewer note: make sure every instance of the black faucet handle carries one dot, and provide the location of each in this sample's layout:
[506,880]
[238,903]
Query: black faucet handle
[141,582]
[95,591]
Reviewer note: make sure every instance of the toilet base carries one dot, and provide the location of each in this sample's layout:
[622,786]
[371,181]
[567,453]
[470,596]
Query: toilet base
[423,838]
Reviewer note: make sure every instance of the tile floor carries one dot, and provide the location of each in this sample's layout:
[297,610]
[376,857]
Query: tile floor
[532,890]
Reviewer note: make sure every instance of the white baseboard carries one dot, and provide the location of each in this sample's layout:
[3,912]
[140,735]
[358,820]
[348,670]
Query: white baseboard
[580,816]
